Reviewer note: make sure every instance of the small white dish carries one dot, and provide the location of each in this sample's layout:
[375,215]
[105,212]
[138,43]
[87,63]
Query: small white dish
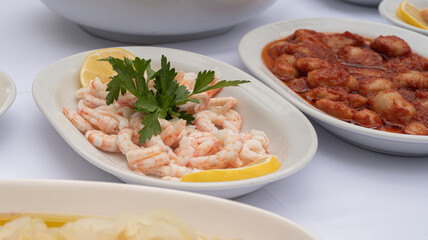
[7,92]
[220,217]
[388,8]
[250,48]
[293,138]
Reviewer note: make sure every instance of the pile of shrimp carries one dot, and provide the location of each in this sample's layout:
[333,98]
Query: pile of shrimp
[213,141]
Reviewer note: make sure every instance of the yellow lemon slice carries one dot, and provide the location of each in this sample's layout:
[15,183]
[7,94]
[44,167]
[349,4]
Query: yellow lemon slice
[410,14]
[256,169]
[92,68]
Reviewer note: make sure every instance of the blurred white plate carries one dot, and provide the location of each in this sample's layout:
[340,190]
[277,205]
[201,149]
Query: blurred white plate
[7,92]
[223,218]
[293,138]
[250,48]
[371,3]
[387,9]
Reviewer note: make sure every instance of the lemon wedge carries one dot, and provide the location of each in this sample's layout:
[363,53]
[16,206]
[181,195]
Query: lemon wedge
[256,169]
[410,14]
[92,68]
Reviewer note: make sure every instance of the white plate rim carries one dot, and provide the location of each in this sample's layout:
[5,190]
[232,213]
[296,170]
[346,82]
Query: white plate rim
[112,188]
[205,186]
[306,108]
[9,88]
[392,17]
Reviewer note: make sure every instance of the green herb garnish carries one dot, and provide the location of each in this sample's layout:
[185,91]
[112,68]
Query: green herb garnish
[168,95]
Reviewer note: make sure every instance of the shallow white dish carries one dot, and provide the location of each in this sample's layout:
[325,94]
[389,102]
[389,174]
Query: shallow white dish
[387,9]
[148,21]
[250,48]
[223,218]
[7,92]
[293,138]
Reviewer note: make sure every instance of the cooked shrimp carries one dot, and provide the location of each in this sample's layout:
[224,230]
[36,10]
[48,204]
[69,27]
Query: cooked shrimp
[233,121]
[186,79]
[187,149]
[173,179]
[96,88]
[124,111]
[157,141]
[226,103]
[212,93]
[78,121]
[136,125]
[259,136]
[206,121]
[128,99]
[179,76]
[124,141]
[232,146]
[207,143]
[147,157]
[252,150]
[192,107]
[80,93]
[144,165]
[170,170]
[197,144]
[118,109]
[92,101]
[106,121]
[171,131]
[102,140]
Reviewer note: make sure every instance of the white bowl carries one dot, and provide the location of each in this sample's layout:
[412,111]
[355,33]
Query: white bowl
[250,49]
[7,92]
[388,8]
[293,138]
[149,21]
[223,218]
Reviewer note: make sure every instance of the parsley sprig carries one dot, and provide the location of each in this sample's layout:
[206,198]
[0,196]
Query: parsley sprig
[162,102]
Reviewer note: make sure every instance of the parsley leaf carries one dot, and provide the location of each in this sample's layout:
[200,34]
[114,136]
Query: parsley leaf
[151,126]
[162,100]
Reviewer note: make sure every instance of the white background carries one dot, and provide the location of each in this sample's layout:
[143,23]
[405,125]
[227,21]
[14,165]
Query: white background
[345,192]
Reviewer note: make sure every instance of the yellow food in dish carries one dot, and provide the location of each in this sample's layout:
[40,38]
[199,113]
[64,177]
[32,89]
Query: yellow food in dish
[159,224]
[412,15]
[92,68]
[256,169]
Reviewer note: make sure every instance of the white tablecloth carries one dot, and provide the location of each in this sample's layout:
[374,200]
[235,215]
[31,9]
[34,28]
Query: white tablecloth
[345,192]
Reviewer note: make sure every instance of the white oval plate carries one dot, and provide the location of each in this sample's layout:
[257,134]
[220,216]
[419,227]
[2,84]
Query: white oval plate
[387,9]
[223,218]
[250,48]
[293,138]
[7,92]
